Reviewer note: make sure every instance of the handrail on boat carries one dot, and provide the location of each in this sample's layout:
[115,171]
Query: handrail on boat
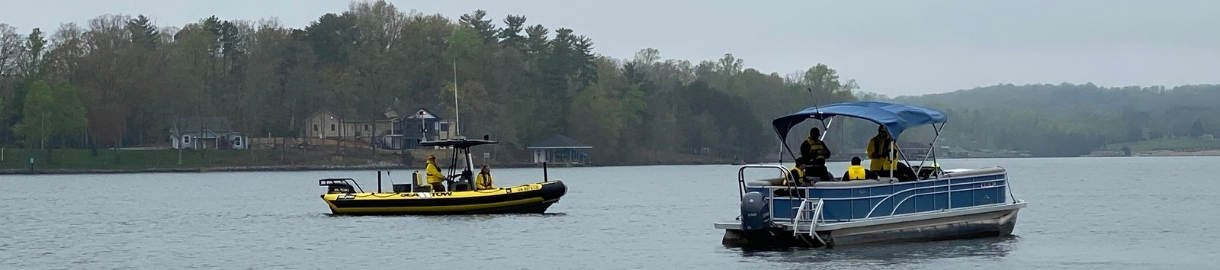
[895,210]
[950,186]
[813,221]
[741,176]
[340,181]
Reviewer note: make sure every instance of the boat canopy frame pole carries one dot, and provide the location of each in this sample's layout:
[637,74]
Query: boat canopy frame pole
[819,111]
[453,161]
[784,143]
[932,146]
[897,153]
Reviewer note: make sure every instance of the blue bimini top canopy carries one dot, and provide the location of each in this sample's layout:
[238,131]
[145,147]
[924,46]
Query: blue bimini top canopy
[895,117]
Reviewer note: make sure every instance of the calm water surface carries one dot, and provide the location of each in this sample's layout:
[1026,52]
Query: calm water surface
[1084,213]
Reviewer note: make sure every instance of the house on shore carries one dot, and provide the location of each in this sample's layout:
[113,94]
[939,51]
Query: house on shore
[390,130]
[205,133]
[326,124]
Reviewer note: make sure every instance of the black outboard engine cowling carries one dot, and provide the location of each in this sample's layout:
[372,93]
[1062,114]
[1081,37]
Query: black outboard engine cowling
[755,212]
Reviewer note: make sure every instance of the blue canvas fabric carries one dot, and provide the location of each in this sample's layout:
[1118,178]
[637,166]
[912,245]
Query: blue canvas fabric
[895,117]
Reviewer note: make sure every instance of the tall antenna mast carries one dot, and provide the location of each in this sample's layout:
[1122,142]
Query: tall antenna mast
[815,108]
[457,127]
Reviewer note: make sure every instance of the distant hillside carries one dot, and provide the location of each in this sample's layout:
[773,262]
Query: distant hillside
[1072,120]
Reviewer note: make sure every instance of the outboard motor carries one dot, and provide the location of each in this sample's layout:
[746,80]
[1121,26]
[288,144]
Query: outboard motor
[755,213]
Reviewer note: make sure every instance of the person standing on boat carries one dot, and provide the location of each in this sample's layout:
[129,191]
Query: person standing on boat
[483,181]
[435,177]
[813,149]
[879,151]
[815,152]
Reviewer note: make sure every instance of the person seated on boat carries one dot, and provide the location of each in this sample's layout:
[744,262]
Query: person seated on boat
[483,181]
[879,151]
[857,172]
[813,149]
[435,178]
[796,175]
[904,173]
[901,171]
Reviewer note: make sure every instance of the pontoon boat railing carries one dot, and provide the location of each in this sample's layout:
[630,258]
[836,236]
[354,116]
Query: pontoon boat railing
[741,184]
[741,176]
[950,189]
[997,183]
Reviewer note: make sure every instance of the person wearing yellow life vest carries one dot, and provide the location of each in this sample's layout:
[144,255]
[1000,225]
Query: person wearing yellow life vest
[813,149]
[483,181]
[879,151]
[796,175]
[435,177]
[857,172]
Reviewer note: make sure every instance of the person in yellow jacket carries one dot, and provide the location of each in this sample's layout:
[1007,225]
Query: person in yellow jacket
[435,177]
[879,151]
[813,149]
[857,172]
[796,175]
[483,181]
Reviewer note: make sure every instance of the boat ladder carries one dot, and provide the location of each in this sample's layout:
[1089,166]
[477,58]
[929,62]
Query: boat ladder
[807,217]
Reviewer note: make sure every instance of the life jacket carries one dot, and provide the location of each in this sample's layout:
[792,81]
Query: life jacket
[880,147]
[816,147]
[798,173]
[855,172]
[484,181]
[434,173]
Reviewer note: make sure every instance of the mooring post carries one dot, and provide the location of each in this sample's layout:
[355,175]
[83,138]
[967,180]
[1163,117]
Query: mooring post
[378,181]
[544,177]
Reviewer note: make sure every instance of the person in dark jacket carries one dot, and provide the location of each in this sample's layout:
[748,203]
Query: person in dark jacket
[813,149]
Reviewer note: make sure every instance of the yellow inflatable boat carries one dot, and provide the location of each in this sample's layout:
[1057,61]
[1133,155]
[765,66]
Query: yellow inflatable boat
[345,197]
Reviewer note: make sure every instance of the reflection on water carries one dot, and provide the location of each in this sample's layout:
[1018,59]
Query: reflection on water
[897,253]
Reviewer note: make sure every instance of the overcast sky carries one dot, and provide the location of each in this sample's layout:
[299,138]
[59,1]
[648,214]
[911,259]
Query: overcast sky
[889,47]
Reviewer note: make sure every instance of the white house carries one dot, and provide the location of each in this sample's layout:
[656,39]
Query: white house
[205,133]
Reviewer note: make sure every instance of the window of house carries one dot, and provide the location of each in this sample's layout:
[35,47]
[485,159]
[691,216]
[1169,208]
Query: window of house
[237,141]
[366,127]
[315,127]
[186,139]
[332,127]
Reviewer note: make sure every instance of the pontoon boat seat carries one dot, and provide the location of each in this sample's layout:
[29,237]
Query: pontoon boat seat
[766,182]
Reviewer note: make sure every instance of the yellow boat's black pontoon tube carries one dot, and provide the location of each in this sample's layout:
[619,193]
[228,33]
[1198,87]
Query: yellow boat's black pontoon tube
[345,197]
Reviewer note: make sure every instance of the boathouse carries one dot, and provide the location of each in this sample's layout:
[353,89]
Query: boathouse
[561,149]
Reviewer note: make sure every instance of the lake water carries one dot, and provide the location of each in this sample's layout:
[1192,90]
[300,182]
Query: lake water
[1083,213]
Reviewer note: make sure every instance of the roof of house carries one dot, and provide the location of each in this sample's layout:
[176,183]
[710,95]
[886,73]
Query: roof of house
[195,124]
[414,113]
[388,114]
[559,141]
